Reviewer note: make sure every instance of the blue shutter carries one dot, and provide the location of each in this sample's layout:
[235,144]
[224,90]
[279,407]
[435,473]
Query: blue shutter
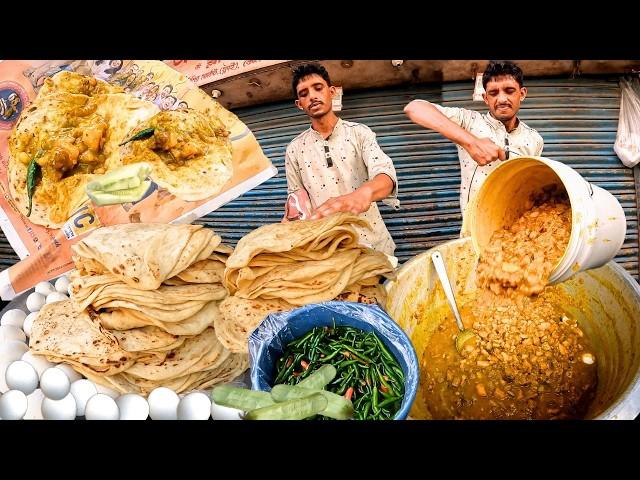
[577,118]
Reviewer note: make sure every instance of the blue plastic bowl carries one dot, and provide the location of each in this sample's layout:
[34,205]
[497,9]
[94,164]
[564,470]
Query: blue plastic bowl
[267,342]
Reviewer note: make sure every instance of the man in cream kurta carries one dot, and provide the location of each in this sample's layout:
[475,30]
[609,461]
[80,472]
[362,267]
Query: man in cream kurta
[356,158]
[521,141]
[339,163]
[483,141]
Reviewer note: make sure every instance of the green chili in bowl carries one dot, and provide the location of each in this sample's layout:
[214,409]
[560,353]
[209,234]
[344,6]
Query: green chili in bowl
[367,373]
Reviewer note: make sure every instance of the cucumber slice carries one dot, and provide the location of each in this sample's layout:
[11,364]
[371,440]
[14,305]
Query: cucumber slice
[297,409]
[123,178]
[240,398]
[119,196]
[320,378]
[338,407]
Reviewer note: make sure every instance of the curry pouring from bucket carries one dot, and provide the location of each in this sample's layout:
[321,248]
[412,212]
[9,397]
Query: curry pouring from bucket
[530,360]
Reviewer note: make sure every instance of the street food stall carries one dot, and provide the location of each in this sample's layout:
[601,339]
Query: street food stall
[152,277]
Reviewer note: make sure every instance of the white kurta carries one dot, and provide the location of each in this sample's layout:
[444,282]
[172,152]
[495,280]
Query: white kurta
[523,140]
[356,158]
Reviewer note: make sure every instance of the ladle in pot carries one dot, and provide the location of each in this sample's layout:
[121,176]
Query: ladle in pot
[465,334]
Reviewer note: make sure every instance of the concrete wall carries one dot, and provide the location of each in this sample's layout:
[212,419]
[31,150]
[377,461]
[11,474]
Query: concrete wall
[273,84]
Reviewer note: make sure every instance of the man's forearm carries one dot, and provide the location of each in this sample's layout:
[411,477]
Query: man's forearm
[378,187]
[428,116]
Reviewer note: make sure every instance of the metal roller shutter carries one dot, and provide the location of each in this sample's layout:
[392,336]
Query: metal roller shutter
[577,118]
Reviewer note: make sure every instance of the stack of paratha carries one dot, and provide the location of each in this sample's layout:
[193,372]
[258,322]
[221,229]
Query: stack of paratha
[282,266]
[144,301]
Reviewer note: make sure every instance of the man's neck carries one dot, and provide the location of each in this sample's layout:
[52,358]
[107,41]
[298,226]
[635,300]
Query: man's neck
[324,125]
[510,124]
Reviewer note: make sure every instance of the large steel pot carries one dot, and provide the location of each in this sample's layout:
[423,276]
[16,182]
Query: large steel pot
[605,301]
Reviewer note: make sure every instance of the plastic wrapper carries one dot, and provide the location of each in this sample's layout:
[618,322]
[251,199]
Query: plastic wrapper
[627,144]
[298,206]
[268,341]
[45,253]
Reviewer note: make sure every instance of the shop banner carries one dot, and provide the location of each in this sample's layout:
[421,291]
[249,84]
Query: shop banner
[207,71]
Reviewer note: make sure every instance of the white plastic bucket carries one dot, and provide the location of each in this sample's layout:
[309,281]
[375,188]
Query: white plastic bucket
[598,224]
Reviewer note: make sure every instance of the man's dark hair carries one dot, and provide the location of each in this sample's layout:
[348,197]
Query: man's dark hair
[500,69]
[304,71]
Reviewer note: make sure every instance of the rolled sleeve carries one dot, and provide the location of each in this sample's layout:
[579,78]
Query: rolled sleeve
[378,162]
[460,116]
[292,171]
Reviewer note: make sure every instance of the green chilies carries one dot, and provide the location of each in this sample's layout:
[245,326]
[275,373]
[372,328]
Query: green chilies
[141,135]
[33,172]
[361,361]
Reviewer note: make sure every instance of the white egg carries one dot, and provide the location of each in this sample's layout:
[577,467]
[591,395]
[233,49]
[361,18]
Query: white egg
[14,317]
[56,297]
[20,375]
[12,350]
[38,362]
[194,406]
[82,390]
[55,384]
[44,288]
[34,408]
[163,404]
[218,412]
[64,409]
[101,407]
[3,383]
[108,391]
[28,323]
[13,405]
[71,373]
[132,407]
[62,284]
[9,332]
[35,301]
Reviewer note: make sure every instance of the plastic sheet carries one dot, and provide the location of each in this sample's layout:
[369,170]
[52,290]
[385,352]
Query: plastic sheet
[627,144]
[268,341]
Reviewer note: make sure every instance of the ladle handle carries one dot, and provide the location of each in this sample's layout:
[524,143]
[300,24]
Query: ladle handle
[441,270]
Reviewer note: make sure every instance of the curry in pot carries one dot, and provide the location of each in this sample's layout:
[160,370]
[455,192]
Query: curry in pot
[530,359]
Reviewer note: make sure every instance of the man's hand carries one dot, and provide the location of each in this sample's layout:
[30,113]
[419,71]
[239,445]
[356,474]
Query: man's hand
[355,202]
[484,151]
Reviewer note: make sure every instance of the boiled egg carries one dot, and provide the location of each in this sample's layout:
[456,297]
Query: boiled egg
[101,407]
[132,407]
[13,405]
[28,323]
[12,350]
[56,297]
[14,317]
[35,301]
[163,404]
[55,384]
[64,409]
[21,376]
[34,408]
[82,390]
[3,383]
[62,284]
[9,332]
[194,406]
[44,288]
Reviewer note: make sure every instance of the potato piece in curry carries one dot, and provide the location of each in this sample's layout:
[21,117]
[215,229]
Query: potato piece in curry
[189,153]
